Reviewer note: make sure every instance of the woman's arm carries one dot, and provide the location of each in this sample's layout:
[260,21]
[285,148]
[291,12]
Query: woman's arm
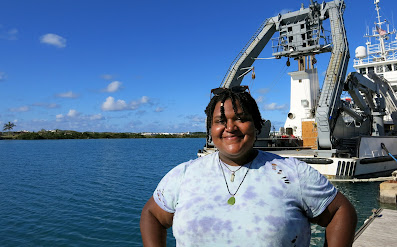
[154,224]
[340,220]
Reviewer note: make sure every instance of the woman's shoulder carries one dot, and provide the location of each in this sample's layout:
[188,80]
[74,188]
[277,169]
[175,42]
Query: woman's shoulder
[198,162]
[268,156]
[278,160]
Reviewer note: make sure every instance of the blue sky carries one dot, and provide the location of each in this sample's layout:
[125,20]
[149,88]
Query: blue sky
[140,66]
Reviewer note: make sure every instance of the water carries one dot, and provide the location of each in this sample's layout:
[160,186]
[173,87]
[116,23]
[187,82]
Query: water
[91,192]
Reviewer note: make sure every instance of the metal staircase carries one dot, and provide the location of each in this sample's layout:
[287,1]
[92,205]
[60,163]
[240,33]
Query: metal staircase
[329,101]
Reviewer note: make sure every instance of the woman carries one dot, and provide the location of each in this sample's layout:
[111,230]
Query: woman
[239,196]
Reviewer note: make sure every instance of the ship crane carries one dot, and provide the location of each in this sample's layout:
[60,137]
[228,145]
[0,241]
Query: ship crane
[301,34]
[373,97]
[350,133]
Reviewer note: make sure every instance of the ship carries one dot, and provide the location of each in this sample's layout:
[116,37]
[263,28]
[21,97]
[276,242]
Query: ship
[345,129]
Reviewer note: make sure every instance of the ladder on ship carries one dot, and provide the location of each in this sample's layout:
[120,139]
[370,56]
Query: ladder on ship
[328,104]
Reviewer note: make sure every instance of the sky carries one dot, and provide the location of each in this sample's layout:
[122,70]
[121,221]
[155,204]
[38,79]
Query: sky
[142,66]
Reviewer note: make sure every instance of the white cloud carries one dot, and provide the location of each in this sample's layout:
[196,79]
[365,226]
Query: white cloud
[53,39]
[46,105]
[73,113]
[111,105]
[274,107]
[59,117]
[76,117]
[107,77]
[10,34]
[159,109]
[69,94]
[136,104]
[96,117]
[144,99]
[263,90]
[196,118]
[20,109]
[113,87]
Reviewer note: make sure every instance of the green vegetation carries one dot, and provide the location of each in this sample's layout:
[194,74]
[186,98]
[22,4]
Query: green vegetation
[8,127]
[70,134]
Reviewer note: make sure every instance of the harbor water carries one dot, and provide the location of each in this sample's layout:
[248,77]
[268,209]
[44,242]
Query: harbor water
[91,192]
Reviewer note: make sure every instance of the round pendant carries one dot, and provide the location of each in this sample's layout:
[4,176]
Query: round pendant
[231,200]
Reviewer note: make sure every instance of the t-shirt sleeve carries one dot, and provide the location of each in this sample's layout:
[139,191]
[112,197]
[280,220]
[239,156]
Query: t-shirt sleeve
[166,194]
[316,190]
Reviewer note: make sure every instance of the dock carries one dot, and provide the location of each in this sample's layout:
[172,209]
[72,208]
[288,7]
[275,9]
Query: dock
[360,180]
[378,230]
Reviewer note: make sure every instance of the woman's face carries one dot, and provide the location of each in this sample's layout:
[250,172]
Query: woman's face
[234,136]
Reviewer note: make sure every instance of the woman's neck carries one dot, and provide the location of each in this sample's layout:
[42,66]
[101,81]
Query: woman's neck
[239,161]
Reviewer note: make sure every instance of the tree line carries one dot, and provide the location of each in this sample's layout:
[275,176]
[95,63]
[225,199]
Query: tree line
[70,134]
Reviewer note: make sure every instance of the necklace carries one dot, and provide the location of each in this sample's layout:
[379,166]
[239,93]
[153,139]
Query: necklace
[232,199]
[232,176]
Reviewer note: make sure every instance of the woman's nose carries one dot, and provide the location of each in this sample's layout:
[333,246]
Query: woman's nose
[230,125]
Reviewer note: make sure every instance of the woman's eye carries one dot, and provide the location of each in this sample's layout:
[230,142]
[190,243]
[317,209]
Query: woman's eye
[220,121]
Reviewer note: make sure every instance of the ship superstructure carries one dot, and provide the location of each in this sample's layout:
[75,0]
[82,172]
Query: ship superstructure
[379,56]
[380,53]
[344,137]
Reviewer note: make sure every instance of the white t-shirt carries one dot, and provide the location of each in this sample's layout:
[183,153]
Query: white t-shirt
[272,205]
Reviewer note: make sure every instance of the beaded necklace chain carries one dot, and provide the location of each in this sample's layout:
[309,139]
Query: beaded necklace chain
[232,176]
[232,199]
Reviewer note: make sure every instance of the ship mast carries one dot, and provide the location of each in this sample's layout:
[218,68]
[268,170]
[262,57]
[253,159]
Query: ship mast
[381,33]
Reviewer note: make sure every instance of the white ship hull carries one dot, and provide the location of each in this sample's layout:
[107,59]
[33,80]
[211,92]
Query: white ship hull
[371,161]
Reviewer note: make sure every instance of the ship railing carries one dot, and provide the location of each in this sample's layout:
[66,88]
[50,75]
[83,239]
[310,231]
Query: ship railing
[375,48]
[391,46]
[374,59]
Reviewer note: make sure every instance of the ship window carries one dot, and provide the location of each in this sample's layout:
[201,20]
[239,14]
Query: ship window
[363,71]
[370,69]
[387,67]
[379,68]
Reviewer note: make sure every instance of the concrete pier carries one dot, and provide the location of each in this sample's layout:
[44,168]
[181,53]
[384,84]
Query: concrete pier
[388,192]
[378,230]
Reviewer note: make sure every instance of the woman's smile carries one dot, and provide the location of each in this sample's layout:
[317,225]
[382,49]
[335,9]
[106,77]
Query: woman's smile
[233,133]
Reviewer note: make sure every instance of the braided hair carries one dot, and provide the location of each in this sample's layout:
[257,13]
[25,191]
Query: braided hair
[247,103]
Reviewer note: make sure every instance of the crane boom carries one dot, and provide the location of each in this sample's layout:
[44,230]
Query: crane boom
[247,56]
[301,35]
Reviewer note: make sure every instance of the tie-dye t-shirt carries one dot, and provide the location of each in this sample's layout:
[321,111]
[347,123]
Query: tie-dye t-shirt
[272,205]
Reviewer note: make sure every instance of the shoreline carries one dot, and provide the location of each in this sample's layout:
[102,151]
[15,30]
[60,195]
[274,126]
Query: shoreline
[68,134]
